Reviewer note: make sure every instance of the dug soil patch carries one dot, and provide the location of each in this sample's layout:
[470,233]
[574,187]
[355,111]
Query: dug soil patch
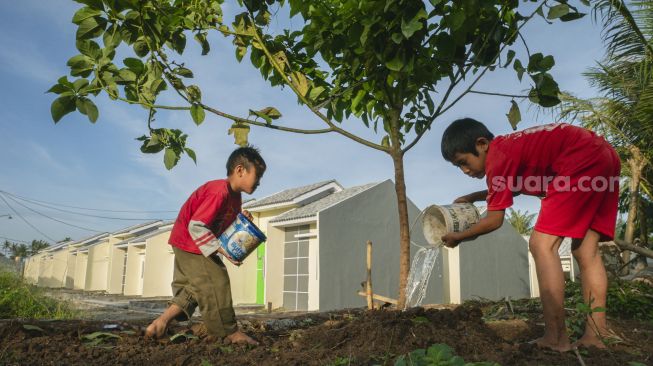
[353,337]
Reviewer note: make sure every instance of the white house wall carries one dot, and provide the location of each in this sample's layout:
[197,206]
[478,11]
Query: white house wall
[494,266]
[97,267]
[59,268]
[274,266]
[159,266]
[81,265]
[133,270]
[344,230]
[116,269]
[70,272]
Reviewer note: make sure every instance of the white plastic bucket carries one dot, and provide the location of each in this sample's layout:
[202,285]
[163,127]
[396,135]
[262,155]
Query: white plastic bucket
[241,238]
[439,220]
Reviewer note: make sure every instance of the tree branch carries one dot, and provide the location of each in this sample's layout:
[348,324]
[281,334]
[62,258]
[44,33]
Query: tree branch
[305,101]
[498,94]
[633,248]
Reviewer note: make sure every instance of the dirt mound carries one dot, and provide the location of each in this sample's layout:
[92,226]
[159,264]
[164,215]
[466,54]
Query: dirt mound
[346,337]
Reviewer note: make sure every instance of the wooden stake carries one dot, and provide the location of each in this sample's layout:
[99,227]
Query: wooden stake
[370,302]
[380,298]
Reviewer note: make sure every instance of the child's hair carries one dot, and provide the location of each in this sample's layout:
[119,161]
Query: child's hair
[460,137]
[246,156]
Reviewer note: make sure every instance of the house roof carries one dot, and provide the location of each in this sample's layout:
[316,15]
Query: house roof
[313,208]
[136,228]
[165,227]
[295,195]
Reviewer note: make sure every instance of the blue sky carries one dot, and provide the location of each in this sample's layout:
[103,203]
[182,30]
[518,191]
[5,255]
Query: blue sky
[76,163]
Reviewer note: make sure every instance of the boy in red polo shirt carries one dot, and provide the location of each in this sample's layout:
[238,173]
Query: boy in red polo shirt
[577,174]
[200,277]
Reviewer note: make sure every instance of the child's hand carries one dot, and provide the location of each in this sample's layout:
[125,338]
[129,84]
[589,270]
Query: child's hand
[248,215]
[463,199]
[226,255]
[451,240]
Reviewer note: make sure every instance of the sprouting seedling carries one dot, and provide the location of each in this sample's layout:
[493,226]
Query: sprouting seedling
[95,339]
[183,336]
[33,327]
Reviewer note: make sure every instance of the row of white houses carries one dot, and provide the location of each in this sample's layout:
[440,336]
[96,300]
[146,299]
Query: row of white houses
[314,258]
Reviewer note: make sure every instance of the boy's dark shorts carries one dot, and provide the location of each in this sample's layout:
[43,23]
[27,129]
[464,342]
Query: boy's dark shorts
[203,281]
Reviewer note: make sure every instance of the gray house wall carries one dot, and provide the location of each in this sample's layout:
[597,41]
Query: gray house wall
[495,266]
[343,231]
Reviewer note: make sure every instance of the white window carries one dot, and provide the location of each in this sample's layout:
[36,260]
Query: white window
[295,269]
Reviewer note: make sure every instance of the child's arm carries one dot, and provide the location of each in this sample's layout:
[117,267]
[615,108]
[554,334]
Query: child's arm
[492,221]
[472,197]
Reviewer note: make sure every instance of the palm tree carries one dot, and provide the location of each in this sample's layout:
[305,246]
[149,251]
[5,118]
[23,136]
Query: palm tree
[521,221]
[36,246]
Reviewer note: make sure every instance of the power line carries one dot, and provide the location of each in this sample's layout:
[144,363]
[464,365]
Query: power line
[83,208]
[51,218]
[76,213]
[24,219]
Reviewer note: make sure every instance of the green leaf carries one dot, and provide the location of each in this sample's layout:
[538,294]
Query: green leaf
[80,84]
[100,335]
[198,114]
[134,64]
[557,11]
[510,56]
[514,115]
[62,106]
[267,118]
[572,16]
[315,92]
[184,72]
[191,154]
[112,37]
[91,28]
[240,132]
[89,48]
[519,68]
[95,4]
[201,38]
[271,112]
[85,13]
[385,141]
[357,99]
[170,158]
[91,110]
[396,64]
[300,82]
[58,89]
[32,327]
[141,48]
[408,28]
[194,93]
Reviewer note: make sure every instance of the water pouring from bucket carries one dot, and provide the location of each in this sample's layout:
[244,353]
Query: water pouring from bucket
[436,222]
[241,238]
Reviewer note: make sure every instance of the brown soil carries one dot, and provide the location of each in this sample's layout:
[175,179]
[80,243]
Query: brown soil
[353,337]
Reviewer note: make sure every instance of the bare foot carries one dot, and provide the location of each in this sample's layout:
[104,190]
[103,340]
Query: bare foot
[546,344]
[239,337]
[156,329]
[590,342]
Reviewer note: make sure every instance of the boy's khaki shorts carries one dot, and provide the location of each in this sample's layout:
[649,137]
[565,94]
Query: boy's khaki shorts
[203,281]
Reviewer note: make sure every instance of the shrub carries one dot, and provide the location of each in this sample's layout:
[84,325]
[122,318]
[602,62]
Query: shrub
[20,300]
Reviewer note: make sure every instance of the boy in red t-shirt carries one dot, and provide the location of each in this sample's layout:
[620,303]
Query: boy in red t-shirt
[200,277]
[577,175]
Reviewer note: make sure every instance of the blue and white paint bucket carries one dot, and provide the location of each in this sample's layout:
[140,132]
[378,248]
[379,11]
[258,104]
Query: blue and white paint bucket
[439,220]
[241,238]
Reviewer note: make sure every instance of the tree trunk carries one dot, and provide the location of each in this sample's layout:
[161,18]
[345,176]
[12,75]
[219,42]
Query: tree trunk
[635,164]
[402,204]
[404,229]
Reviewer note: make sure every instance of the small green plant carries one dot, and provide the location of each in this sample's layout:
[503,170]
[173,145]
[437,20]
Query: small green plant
[419,320]
[437,355]
[182,336]
[21,300]
[341,361]
[205,362]
[98,338]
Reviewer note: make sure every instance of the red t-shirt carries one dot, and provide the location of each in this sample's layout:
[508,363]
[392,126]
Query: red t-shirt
[204,216]
[527,161]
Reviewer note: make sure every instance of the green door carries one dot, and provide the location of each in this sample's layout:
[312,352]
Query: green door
[260,274]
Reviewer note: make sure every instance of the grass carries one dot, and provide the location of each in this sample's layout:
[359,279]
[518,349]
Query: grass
[21,300]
